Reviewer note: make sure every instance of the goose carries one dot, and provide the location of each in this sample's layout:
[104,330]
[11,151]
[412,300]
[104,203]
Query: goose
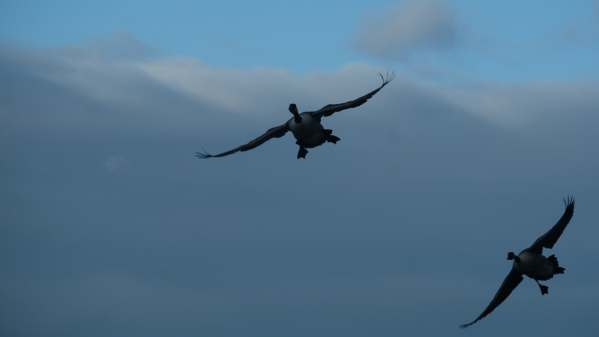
[531,263]
[306,126]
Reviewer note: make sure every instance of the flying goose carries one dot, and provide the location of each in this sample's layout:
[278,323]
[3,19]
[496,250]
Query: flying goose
[532,263]
[305,126]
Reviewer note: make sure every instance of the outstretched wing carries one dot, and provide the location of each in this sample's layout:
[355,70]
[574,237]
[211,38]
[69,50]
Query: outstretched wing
[549,239]
[509,284]
[276,132]
[330,109]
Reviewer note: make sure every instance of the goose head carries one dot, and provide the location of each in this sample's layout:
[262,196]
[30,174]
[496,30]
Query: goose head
[512,256]
[296,116]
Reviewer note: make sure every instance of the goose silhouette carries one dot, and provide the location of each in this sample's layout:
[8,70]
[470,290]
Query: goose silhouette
[531,263]
[306,126]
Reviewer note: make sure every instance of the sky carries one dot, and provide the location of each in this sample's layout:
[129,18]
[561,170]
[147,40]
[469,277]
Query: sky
[110,227]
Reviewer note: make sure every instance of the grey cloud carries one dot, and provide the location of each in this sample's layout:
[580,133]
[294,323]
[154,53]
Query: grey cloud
[118,46]
[525,104]
[410,214]
[409,28]
[115,163]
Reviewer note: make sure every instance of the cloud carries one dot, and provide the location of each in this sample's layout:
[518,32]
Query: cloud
[525,104]
[407,29]
[118,46]
[64,89]
[227,247]
[115,163]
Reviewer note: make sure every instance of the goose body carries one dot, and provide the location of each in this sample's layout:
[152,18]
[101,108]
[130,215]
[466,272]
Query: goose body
[306,127]
[308,132]
[535,266]
[532,263]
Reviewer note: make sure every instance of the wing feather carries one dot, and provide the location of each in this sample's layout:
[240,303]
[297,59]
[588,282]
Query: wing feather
[276,132]
[330,109]
[509,284]
[549,239]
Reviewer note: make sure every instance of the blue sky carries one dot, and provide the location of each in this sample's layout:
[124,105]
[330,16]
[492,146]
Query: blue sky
[509,39]
[110,226]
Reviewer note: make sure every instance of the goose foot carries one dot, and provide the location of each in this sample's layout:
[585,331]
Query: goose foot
[544,288]
[333,139]
[302,153]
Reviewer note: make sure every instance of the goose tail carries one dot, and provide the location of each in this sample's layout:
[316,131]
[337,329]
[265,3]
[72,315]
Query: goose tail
[556,267]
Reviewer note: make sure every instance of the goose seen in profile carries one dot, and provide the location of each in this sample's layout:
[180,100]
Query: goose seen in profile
[306,126]
[532,263]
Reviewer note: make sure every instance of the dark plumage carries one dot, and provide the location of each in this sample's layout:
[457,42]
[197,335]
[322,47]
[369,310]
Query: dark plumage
[306,126]
[532,263]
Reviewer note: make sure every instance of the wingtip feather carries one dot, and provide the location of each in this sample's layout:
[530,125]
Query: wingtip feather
[464,326]
[388,77]
[569,201]
[203,155]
